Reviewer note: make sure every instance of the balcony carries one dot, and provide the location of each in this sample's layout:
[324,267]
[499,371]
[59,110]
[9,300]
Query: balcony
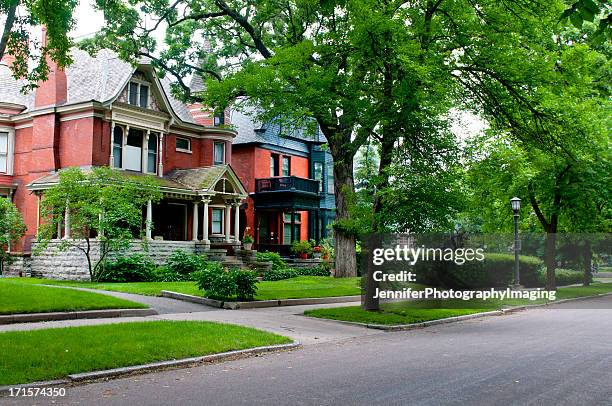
[292,183]
[287,192]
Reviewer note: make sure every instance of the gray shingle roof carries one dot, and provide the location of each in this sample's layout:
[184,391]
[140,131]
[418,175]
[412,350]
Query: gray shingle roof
[90,78]
[10,88]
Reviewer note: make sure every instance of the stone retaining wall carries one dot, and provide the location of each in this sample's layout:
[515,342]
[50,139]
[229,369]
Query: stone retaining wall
[72,264]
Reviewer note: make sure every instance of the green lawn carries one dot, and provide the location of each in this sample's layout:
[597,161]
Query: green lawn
[295,288]
[17,297]
[408,312]
[29,356]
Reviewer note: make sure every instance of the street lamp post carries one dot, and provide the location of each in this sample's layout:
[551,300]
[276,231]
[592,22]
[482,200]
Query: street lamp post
[516,206]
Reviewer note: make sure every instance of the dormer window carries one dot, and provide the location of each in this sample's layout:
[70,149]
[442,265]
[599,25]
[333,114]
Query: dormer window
[138,94]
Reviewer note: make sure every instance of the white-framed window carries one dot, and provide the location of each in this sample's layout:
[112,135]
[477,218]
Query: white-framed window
[117,147]
[318,174]
[287,227]
[138,94]
[274,165]
[286,166]
[330,178]
[152,153]
[218,153]
[7,137]
[4,152]
[183,144]
[217,220]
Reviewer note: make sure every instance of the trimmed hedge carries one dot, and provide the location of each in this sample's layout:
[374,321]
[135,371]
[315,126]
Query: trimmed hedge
[288,273]
[497,270]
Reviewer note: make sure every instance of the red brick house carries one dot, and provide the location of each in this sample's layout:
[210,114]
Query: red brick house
[101,111]
[289,177]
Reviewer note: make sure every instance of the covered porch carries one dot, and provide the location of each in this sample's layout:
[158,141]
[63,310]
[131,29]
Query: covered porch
[200,205]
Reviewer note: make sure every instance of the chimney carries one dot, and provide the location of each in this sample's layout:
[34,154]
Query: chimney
[201,114]
[54,90]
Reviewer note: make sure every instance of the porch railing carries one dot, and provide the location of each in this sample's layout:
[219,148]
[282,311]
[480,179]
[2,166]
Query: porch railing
[286,183]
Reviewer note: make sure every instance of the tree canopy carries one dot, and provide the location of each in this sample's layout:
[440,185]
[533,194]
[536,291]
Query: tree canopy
[18,40]
[12,227]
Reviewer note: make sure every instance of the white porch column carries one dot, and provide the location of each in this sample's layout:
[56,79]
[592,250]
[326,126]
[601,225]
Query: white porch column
[111,160]
[237,222]
[196,222]
[228,215]
[205,225]
[149,222]
[160,154]
[67,223]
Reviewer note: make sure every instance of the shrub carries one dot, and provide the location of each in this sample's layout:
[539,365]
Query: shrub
[185,264]
[563,277]
[222,284]
[274,257]
[246,284]
[302,247]
[288,273]
[165,274]
[132,268]
[497,270]
[280,274]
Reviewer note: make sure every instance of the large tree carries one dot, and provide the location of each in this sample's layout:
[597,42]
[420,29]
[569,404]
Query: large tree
[363,69]
[31,57]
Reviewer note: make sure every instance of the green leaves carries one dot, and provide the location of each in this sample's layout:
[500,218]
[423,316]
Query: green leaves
[12,227]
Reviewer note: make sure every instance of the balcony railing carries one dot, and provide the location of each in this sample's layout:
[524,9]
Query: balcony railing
[286,183]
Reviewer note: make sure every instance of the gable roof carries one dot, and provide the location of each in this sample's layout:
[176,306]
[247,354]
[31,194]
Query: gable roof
[205,179]
[98,78]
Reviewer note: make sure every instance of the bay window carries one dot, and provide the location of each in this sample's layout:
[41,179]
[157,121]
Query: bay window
[152,153]
[117,147]
[4,152]
[219,153]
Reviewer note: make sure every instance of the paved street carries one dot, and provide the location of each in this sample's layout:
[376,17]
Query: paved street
[547,356]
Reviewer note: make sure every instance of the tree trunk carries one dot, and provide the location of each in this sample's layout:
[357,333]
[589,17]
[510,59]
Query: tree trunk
[386,157]
[587,263]
[549,259]
[344,237]
[8,26]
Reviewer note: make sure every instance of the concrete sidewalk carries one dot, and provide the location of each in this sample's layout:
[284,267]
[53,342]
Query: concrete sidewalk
[287,321]
[162,305]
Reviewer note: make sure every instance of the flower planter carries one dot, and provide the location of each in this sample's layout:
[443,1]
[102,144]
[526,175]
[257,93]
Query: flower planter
[247,245]
[316,255]
[303,255]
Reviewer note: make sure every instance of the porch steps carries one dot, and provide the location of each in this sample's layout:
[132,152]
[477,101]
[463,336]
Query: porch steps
[233,262]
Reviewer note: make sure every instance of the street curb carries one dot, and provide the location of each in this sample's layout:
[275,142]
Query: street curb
[257,304]
[412,326]
[117,372]
[510,310]
[90,314]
